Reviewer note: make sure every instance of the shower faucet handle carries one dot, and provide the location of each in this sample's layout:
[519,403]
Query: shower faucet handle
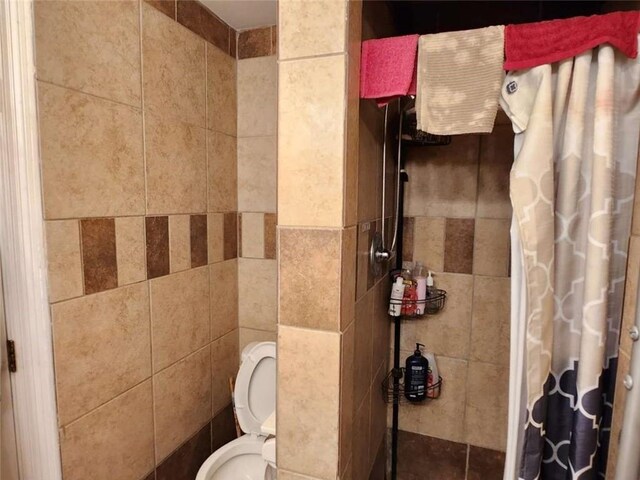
[382,255]
[634,333]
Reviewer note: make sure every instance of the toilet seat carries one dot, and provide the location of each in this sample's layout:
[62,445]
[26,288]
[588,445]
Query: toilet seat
[240,459]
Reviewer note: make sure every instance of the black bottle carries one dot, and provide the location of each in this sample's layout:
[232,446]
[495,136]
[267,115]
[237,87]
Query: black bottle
[416,375]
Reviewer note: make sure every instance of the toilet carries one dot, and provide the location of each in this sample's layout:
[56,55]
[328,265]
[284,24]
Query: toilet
[252,456]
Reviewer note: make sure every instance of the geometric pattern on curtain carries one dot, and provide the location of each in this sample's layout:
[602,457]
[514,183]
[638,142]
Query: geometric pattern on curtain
[572,187]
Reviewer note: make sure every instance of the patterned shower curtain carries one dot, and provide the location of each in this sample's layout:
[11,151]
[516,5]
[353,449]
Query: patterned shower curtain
[577,124]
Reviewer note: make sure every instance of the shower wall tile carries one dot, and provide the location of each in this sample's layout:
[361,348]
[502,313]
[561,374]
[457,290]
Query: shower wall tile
[215,237]
[223,172]
[408,239]
[179,315]
[257,172]
[371,126]
[361,441]
[252,235]
[417,453]
[487,404]
[157,246]
[98,240]
[249,335]
[89,371]
[75,127]
[64,262]
[223,428]
[257,293]
[179,243]
[364,276]
[93,47]
[310,278]
[347,390]
[201,21]
[630,296]
[349,268]
[312,390]
[429,242]
[233,43]
[311,28]
[182,401]
[223,281]
[363,347]
[496,159]
[173,69]
[130,250]
[485,463]
[222,98]
[198,240]
[113,441]
[378,422]
[254,43]
[257,104]
[491,320]
[184,463]
[270,235]
[168,7]
[458,245]
[171,189]
[225,362]
[443,179]
[492,252]
[311,153]
[230,235]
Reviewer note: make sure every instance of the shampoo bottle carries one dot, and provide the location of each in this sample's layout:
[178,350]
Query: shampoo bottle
[397,293]
[421,288]
[416,376]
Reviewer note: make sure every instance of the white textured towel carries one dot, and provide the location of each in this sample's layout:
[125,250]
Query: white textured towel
[459,80]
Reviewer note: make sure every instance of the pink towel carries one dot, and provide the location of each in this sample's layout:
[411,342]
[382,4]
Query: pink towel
[528,45]
[388,68]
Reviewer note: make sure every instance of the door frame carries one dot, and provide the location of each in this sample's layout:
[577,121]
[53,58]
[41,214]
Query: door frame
[22,248]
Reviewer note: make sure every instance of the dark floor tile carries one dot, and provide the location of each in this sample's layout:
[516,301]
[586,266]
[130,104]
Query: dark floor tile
[230,235]
[157,246]
[223,428]
[199,245]
[485,464]
[427,458]
[408,226]
[270,221]
[99,261]
[254,43]
[379,469]
[168,7]
[458,245]
[184,463]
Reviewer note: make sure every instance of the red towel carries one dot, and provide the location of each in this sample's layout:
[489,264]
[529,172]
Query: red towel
[388,68]
[531,44]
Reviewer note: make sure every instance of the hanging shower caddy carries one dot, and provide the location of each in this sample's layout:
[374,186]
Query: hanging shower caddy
[432,305]
[393,390]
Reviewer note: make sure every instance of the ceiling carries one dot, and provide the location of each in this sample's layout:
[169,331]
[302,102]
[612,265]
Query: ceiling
[244,14]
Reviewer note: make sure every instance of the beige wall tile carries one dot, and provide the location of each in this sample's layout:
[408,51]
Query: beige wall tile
[63,260]
[428,242]
[90,46]
[89,370]
[225,361]
[130,244]
[282,475]
[363,346]
[496,159]
[257,105]
[492,249]
[630,294]
[487,405]
[223,280]
[223,172]
[91,149]
[443,179]
[448,332]
[257,172]
[257,293]
[215,236]
[182,401]
[248,335]
[179,242]
[252,235]
[309,278]
[113,441]
[179,315]
[176,166]
[308,401]
[311,142]
[174,68]
[222,99]
[311,28]
[491,320]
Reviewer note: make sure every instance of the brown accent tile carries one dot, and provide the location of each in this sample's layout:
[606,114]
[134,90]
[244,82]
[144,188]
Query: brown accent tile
[100,265]
[427,458]
[458,245]
[230,235]
[157,243]
[485,464]
[254,43]
[223,428]
[408,229]
[197,18]
[184,463]
[168,7]
[151,476]
[233,43]
[270,222]
[274,40]
[199,245]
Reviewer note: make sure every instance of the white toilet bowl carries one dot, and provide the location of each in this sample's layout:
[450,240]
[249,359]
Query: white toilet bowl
[255,403]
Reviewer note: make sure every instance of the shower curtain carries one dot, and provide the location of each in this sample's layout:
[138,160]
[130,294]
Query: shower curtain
[577,124]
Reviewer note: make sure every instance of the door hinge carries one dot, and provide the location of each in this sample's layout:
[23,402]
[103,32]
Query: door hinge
[11,356]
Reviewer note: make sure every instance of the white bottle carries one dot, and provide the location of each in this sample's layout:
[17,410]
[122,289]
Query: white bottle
[397,293]
[421,287]
[431,289]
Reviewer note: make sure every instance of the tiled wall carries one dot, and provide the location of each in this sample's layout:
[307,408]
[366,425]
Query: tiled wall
[458,218]
[138,133]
